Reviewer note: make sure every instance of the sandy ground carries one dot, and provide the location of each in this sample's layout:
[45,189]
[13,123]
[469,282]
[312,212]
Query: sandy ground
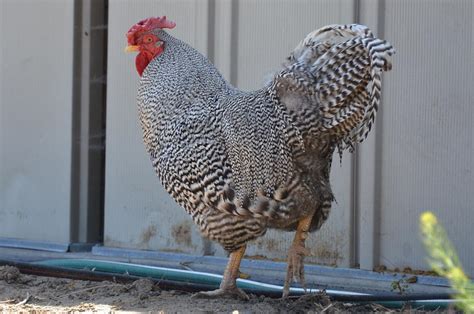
[36,294]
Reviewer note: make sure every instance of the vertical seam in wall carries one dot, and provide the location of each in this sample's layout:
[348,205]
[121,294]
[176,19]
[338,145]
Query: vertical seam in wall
[85,126]
[76,122]
[378,151]
[104,119]
[234,37]
[355,212]
[356,11]
[211,33]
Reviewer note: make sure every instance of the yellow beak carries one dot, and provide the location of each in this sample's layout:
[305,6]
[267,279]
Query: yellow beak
[131,48]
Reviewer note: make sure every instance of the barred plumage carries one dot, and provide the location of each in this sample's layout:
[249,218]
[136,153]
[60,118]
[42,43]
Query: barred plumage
[242,162]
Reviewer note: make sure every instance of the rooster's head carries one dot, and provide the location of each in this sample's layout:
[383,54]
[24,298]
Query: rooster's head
[142,37]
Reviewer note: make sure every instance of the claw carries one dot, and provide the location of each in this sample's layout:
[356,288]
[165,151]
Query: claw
[223,292]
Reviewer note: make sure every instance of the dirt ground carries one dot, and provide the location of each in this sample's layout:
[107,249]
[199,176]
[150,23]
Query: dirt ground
[36,294]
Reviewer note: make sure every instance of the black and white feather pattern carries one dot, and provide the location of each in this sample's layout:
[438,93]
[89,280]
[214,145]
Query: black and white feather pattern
[338,69]
[242,162]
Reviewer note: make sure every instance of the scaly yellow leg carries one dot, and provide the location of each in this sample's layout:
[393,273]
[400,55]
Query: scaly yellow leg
[296,254]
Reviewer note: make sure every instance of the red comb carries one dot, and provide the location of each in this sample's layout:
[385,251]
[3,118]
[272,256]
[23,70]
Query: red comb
[148,25]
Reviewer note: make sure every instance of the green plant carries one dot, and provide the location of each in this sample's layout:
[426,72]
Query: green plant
[445,262]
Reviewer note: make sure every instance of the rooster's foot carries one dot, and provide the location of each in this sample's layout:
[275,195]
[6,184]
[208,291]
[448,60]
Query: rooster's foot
[295,268]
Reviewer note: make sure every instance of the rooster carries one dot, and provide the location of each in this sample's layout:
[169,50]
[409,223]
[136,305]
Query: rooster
[242,162]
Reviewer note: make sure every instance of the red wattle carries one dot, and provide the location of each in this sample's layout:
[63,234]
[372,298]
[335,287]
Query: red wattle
[145,56]
[141,62]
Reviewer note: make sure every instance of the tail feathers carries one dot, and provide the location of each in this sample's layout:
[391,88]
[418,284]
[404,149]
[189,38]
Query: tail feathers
[380,52]
[349,86]
[345,64]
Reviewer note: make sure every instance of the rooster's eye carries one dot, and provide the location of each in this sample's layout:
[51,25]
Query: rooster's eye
[148,39]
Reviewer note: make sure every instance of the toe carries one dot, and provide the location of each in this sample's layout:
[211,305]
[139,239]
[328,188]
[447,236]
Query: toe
[239,293]
[300,275]
[289,276]
[222,293]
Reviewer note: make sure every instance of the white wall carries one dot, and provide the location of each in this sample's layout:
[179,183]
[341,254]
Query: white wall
[36,41]
[426,153]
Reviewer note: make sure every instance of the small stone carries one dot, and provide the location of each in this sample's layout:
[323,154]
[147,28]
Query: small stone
[9,273]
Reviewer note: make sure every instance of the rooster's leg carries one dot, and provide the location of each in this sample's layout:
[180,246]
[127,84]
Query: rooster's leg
[228,285]
[296,254]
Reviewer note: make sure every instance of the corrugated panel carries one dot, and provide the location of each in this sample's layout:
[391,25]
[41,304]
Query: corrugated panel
[35,111]
[426,151]
[138,212]
[365,180]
